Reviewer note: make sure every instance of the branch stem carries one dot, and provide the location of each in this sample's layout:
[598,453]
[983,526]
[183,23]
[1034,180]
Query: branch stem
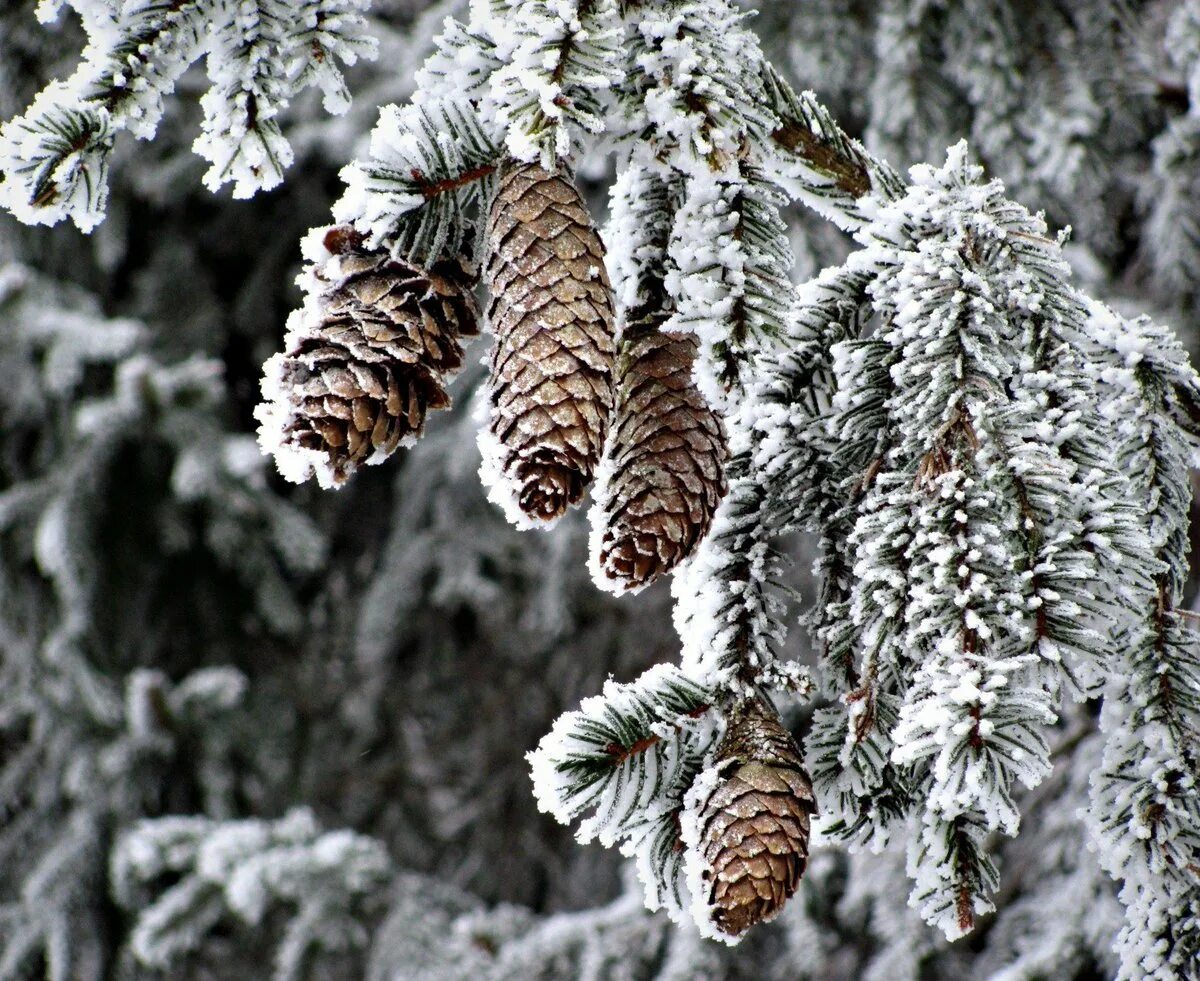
[619,754]
[849,175]
[431,189]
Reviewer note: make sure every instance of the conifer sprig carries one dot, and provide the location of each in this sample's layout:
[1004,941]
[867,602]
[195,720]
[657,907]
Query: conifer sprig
[259,55]
[1146,796]
[422,189]
[997,467]
[629,756]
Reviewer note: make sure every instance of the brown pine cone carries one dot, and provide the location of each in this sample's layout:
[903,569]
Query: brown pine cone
[667,457]
[754,828]
[366,359]
[551,368]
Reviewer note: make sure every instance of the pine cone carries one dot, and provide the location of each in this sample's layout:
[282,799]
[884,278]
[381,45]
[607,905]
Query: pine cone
[754,827]
[667,457]
[551,369]
[369,356]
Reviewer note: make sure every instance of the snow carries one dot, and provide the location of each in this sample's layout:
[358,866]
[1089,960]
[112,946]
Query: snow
[259,55]
[691,832]
[47,182]
[274,414]
[597,524]
[996,467]
[412,148]
[557,60]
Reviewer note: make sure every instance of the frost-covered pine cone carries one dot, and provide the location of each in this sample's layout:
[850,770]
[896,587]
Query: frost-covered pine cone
[365,360]
[551,370]
[666,458]
[754,828]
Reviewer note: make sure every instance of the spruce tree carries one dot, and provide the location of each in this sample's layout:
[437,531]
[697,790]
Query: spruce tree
[977,429]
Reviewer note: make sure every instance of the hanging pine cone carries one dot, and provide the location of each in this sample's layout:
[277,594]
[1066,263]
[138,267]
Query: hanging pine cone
[551,368]
[667,457]
[366,359]
[754,828]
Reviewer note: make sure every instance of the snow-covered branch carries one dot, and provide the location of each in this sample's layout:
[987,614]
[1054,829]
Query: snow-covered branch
[259,55]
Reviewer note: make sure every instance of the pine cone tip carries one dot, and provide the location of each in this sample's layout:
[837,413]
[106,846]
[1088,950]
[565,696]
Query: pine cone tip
[531,496]
[547,490]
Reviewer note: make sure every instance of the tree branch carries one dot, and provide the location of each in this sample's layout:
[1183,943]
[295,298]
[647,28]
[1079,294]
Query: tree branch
[431,189]
[620,754]
[844,172]
[849,175]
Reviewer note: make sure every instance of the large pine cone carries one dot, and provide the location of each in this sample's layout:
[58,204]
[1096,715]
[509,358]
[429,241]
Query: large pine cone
[551,369]
[755,826]
[667,457]
[368,357]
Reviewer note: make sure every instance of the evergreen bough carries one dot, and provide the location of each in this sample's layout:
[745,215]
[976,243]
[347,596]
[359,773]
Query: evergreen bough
[996,464]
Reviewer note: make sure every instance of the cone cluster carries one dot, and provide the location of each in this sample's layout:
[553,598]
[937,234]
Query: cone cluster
[667,456]
[755,825]
[373,353]
[552,315]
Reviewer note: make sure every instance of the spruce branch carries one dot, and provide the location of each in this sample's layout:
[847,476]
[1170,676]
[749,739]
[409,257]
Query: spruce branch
[825,157]
[629,756]
[158,40]
[422,189]
[817,162]
[324,883]
[551,84]
[695,114]
[620,754]
[1145,807]
[259,56]
[726,610]
[431,189]
[943,408]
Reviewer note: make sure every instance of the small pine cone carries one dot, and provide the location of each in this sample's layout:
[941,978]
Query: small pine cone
[367,358]
[551,368]
[667,458]
[754,828]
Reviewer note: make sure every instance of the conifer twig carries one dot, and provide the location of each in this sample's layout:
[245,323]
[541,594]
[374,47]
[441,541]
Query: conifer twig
[621,753]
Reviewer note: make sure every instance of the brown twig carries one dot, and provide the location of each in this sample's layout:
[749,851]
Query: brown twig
[849,175]
[431,189]
[620,754]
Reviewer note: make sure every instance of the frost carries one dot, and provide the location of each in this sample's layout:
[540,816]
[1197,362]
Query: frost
[629,756]
[259,53]
[557,60]
[55,161]
[990,470]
